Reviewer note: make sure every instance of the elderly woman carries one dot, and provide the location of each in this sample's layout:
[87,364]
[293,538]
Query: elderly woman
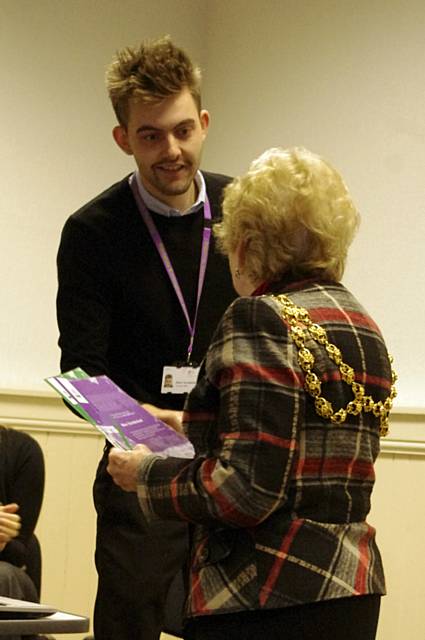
[285,419]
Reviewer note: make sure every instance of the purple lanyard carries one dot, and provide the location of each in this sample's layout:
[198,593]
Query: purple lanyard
[157,240]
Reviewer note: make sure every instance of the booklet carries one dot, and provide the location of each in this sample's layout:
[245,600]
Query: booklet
[117,415]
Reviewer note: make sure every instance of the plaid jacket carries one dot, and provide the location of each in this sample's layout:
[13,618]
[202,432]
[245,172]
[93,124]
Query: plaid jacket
[278,496]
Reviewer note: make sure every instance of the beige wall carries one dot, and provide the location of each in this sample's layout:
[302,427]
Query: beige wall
[343,78]
[57,150]
[67,524]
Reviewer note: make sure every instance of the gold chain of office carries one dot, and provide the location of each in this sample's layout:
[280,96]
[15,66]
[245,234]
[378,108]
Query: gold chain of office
[301,328]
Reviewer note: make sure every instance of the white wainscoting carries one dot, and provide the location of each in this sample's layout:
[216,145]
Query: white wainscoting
[66,527]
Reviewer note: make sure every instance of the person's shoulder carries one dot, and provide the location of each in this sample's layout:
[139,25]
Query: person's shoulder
[15,440]
[108,203]
[332,303]
[104,214]
[215,182]
[324,294]
[252,304]
[252,313]
[248,323]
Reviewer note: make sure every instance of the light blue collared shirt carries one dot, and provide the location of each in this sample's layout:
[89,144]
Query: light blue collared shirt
[164,209]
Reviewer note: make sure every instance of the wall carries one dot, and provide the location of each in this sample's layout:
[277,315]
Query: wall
[345,79]
[57,150]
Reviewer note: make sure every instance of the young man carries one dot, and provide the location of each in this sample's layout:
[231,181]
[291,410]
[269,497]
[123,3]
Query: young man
[141,289]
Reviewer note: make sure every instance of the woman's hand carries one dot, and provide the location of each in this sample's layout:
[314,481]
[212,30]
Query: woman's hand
[170,417]
[10,523]
[124,466]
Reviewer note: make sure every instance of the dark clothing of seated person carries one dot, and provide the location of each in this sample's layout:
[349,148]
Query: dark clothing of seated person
[285,418]
[22,485]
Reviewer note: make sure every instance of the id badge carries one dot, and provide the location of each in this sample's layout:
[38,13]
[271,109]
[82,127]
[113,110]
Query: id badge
[179,379]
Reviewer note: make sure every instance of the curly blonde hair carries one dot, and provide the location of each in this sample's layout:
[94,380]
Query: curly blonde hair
[151,72]
[293,213]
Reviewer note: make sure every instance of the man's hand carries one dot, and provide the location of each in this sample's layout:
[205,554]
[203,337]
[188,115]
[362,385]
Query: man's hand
[10,523]
[123,466]
[170,417]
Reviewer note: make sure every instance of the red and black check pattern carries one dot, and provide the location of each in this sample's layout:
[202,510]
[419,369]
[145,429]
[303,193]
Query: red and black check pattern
[278,496]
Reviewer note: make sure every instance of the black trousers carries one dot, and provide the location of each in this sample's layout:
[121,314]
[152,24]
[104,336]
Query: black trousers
[353,618]
[136,564]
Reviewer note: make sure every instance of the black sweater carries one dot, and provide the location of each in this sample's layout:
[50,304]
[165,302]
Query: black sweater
[117,311]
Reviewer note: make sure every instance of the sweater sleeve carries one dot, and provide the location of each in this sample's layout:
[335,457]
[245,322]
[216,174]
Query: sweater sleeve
[243,475]
[83,299]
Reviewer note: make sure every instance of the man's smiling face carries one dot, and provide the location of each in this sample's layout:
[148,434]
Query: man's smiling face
[166,141]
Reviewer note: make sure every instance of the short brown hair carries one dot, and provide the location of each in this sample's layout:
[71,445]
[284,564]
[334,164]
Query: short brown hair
[151,72]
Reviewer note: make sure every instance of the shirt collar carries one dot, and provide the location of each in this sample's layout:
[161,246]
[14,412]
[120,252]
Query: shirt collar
[153,204]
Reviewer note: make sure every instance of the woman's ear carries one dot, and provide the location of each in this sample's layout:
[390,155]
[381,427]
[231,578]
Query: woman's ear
[241,250]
